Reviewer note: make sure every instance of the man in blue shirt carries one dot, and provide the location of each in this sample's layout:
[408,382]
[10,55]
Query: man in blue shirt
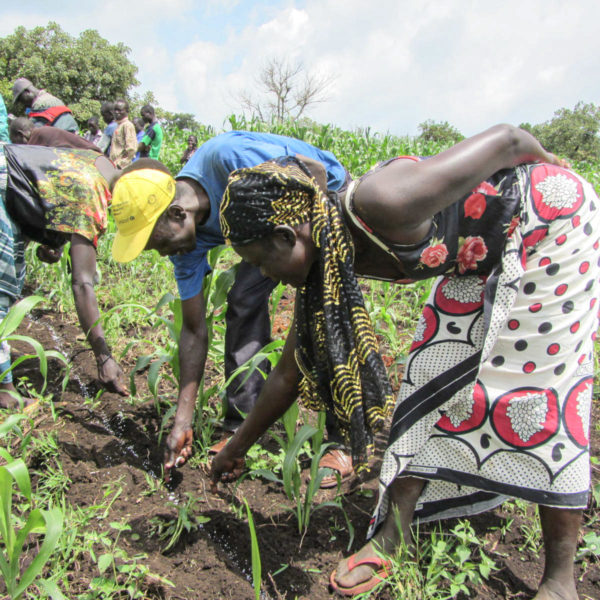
[180,219]
[107,110]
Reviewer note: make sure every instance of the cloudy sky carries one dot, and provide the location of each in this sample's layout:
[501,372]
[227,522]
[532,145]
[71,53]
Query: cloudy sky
[473,63]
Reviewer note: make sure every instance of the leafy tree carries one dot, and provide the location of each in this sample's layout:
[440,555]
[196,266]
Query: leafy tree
[286,91]
[136,101]
[185,121]
[442,133]
[571,133]
[83,72]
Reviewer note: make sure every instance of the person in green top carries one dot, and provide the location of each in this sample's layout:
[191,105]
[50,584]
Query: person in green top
[152,141]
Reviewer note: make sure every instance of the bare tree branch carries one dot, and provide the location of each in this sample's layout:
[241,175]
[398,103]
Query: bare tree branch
[287,90]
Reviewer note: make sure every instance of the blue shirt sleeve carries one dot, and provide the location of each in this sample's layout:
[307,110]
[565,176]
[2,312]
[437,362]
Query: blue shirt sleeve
[211,166]
[190,269]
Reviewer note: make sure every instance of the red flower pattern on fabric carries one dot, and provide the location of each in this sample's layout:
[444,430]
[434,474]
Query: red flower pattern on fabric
[472,251]
[475,204]
[434,256]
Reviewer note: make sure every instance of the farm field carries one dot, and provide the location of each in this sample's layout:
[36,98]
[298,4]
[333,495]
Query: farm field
[96,458]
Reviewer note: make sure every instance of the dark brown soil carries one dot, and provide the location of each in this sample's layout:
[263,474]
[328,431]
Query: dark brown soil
[114,440]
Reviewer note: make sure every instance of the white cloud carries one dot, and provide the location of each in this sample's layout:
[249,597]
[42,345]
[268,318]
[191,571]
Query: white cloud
[397,62]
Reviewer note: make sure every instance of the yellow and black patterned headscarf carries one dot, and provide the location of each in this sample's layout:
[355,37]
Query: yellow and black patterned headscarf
[337,351]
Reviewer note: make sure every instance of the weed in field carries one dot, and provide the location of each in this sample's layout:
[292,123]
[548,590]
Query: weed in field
[153,484]
[530,527]
[532,536]
[504,528]
[53,483]
[260,459]
[13,434]
[590,548]
[170,529]
[119,572]
[111,491]
[440,566]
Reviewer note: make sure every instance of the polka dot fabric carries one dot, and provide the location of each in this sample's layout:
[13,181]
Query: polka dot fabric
[496,396]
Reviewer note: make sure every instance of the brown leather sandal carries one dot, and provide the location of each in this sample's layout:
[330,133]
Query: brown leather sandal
[336,460]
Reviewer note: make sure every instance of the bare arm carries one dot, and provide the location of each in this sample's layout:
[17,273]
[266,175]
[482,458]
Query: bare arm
[192,358]
[277,395]
[399,200]
[83,259]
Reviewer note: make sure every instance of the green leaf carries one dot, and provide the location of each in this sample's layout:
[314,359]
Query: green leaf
[268,475]
[18,471]
[8,424]
[255,554]
[52,590]
[105,561]
[221,287]
[7,533]
[53,520]
[290,462]
[39,351]
[17,313]
[463,553]
[154,373]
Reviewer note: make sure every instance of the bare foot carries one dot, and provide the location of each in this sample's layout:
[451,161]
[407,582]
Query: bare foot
[551,589]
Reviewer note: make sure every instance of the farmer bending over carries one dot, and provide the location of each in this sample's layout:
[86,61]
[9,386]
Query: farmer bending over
[496,394]
[183,222]
[55,195]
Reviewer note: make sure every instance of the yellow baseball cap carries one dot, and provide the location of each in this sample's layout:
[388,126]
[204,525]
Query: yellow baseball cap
[139,198]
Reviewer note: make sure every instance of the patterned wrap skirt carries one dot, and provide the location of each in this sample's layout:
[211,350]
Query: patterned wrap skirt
[12,265]
[496,395]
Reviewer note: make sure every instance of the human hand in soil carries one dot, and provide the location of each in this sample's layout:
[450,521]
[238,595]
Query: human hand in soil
[225,467]
[111,376]
[179,447]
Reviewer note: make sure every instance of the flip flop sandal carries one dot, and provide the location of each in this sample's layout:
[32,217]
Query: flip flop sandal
[383,572]
[336,460]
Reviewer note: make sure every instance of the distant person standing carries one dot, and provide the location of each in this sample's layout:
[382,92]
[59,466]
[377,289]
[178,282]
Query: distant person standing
[107,110]
[192,146]
[124,143]
[150,145]
[43,108]
[94,133]
[139,124]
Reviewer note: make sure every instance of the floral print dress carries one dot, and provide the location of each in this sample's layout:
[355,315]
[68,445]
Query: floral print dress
[496,393]
[52,193]
[467,237]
